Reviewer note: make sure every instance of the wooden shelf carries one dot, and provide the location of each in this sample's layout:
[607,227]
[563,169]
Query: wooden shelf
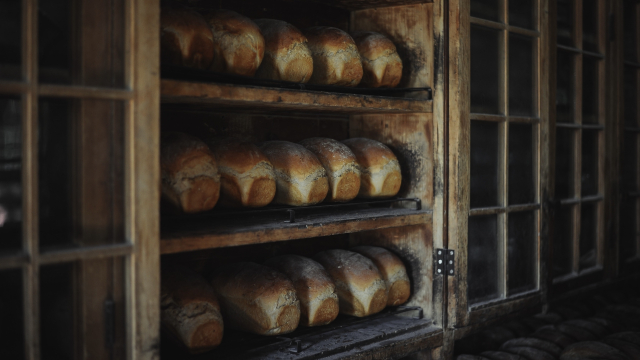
[203,233]
[368,4]
[257,98]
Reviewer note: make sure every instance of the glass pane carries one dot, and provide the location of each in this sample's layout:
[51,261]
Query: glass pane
[11,315]
[10,174]
[628,227]
[590,91]
[565,85]
[563,242]
[485,70]
[81,172]
[590,26]
[564,163]
[484,164]
[590,162]
[482,268]
[486,9]
[74,298]
[10,39]
[521,13]
[81,45]
[522,252]
[630,97]
[630,28]
[565,23]
[588,235]
[630,162]
[521,80]
[521,164]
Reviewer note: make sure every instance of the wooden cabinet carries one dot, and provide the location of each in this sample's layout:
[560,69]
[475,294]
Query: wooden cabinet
[519,153]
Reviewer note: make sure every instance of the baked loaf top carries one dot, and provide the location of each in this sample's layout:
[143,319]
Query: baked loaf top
[179,149]
[186,39]
[335,57]
[390,266]
[335,156]
[306,273]
[238,157]
[373,156]
[380,60]
[280,36]
[373,46]
[293,161]
[183,286]
[238,43]
[328,40]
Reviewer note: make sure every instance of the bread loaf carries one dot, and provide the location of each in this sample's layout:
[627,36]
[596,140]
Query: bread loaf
[286,56]
[341,166]
[189,173]
[544,345]
[592,350]
[238,45]
[185,39]
[335,57]
[257,299]
[379,167]
[246,175]
[392,270]
[360,287]
[314,287]
[381,64]
[190,310]
[501,355]
[300,178]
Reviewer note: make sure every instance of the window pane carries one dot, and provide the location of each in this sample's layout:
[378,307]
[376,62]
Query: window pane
[590,26]
[482,271]
[565,23]
[11,315]
[630,162]
[628,227]
[486,9]
[521,81]
[521,13]
[485,70]
[565,85]
[81,172]
[630,97]
[564,163]
[10,174]
[73,299]
[522,252]
[588,235]
[589,162]
[10,39]
[521,164]
[590,91]
[484,164]
[89,53]
[563,241]
[630,28]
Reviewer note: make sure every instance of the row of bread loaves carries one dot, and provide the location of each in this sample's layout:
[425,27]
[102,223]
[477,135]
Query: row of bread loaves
[195,176]
[273,299]
[225,41]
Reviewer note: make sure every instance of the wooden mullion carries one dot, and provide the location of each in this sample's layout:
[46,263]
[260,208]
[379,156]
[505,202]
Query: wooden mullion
[601,114]
[14,261]
[503,218]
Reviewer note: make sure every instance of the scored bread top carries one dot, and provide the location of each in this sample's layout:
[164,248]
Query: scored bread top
[293,161]
[372,155]
[304,272]
[186,39]
[372,45]
[231,22]
[334,155]
[390,266]
[237,156]
[351,270]
[184,286]
[327,40]
[178,149]
[280,36]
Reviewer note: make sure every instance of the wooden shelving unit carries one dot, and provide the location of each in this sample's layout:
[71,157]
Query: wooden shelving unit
[260,99]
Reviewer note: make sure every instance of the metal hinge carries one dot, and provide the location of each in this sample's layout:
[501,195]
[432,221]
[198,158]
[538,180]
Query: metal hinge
[109,323]
[445,262]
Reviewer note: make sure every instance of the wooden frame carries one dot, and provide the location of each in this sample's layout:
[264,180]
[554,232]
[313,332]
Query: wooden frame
[462,313]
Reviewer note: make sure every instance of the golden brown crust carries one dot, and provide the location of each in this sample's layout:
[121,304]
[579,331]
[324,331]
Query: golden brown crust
[392,270]
[341,166]
[256,298]
[335,57]
[189,173]
[381,63]
[185,39]
[237,42]
[190,310]
[380,170]
[287,56]
[360,287]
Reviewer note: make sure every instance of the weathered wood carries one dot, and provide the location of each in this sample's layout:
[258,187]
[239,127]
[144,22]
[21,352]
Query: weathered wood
[272,99]
[369,4]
